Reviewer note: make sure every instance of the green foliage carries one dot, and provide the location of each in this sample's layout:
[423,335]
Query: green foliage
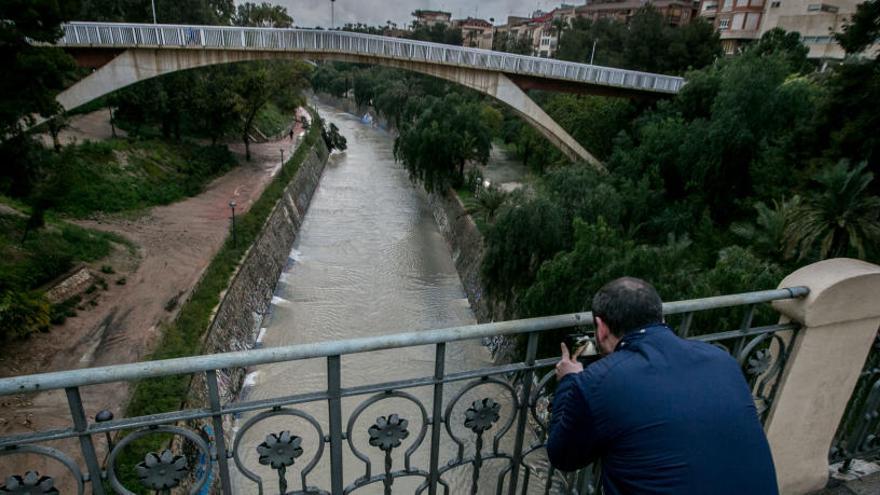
[788,44]
[120,175]
[208,12]
[841,218]
[646,42]
[526,232]
[262,15]
[448,133]
[438,33]
[22,313]
[863,28]
[511,43]
[44,71]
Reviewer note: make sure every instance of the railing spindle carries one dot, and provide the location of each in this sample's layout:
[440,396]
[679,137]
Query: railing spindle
[219,433]
[437,416]
[334,390]
[531,353]
[81,425]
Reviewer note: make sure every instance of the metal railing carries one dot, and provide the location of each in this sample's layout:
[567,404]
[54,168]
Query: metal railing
[113,35]
[515,413]
[858,435]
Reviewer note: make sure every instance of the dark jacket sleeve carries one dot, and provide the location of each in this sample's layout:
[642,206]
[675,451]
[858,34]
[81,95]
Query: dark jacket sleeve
[573,442]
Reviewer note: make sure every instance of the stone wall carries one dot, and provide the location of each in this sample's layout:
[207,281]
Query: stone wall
[238,317]
[466,242]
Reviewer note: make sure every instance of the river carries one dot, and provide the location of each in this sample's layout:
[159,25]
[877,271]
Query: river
[369,260]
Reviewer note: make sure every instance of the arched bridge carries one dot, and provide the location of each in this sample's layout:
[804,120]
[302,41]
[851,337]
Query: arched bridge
[129,53]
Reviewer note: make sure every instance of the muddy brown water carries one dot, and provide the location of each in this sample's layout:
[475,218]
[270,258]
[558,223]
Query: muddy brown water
[369,260]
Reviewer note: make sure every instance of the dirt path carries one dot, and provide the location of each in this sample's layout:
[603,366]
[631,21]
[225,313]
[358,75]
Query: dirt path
[175,244]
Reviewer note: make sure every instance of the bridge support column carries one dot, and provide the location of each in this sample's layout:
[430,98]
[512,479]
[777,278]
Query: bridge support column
[508,92]
[840,318]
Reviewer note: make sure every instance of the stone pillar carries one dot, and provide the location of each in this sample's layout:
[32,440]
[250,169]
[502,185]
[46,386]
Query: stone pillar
[840,318]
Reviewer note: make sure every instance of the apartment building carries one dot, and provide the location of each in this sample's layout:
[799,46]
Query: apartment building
[430,18]
[740,22]
[475,33]
[677,12]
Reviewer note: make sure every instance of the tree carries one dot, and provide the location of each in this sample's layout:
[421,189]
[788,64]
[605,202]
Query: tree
[787,44]
[863,29]
[438,33]
[449,133]
[254,89]
[262,15]
[840,218]
[43,70]
[489,201]
[511,43]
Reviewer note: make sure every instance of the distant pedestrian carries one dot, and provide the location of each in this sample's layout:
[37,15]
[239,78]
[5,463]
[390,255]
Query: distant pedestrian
[291,133]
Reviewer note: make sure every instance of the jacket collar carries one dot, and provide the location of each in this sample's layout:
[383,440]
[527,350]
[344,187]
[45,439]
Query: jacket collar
[637,335]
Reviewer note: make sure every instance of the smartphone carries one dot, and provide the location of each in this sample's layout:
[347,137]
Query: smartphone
[575,341]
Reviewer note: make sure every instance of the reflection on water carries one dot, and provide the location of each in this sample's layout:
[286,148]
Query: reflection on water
[368,261]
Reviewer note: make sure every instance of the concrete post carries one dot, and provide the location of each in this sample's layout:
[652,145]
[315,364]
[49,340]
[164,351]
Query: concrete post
[840,318]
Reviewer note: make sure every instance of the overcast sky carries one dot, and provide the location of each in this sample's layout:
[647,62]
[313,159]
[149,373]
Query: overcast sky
[311,13]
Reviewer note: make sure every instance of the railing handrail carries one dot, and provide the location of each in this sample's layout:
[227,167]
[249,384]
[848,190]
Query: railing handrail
[676,82]
[240,359]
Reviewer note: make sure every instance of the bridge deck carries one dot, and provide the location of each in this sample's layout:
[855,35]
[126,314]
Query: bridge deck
[116,35]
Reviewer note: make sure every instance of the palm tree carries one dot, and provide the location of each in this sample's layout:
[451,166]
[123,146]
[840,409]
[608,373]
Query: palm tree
[843,216]
[489,201]
[767,234]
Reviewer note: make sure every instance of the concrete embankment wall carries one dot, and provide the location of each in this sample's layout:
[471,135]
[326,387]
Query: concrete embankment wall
[237,319]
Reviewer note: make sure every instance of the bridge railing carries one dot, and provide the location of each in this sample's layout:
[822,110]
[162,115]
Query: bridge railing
[474,427]
[95,34]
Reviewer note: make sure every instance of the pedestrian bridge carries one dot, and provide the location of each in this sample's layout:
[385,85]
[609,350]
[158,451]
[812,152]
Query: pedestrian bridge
[128,53]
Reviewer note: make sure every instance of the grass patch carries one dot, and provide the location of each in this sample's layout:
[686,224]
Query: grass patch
[120,175]
[466,195]
[48,252]
[271,120]
[183,337]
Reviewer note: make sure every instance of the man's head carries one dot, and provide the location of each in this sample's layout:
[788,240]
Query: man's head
[623,306]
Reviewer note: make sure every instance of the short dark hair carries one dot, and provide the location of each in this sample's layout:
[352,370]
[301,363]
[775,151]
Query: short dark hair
[628,304]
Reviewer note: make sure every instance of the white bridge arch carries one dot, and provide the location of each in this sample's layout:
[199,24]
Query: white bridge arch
[135,52]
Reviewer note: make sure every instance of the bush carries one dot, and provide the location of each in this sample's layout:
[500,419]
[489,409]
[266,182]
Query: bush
[22,313]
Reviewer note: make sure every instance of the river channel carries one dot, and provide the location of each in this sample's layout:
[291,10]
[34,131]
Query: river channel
[369,260]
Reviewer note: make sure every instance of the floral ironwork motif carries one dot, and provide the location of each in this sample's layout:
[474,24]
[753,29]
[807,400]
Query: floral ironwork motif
[29,484]
[760,362]
[389,432]
[482,415]
[162,471]
[280,450]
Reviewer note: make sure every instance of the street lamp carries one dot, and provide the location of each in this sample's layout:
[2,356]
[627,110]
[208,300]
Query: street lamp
[234,239]
[332,14]
[594,51]
[153,3]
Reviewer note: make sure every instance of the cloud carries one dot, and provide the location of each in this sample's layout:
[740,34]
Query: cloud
[311,13]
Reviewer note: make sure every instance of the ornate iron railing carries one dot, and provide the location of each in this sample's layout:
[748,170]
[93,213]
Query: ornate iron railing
[112,35]
[505,425]
[858,436]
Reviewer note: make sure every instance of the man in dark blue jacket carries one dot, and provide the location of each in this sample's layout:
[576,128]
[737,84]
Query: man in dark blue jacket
[664,415]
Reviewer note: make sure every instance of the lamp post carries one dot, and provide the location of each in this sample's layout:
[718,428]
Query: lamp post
[332,14]
[153,3]
[234,239]
[594,51]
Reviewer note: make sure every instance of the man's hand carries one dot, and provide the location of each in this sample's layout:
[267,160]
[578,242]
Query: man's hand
[569,364]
